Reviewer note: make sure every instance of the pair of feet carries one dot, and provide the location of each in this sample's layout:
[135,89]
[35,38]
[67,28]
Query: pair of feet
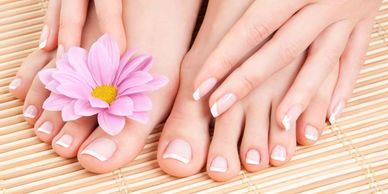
[185,146]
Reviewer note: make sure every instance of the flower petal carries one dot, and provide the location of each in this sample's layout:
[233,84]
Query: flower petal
[73,90]
[97,103]
[140,63]
[122,106]
[45,75]
[99,64]
[56,102]
[68,113]
[123,62]
[112,49]
[63,63]
[136,79]
[141,102]
[141,117]
[78,58]
[52,86]
[136,89]
[111,124]
[158,81]
[83,107]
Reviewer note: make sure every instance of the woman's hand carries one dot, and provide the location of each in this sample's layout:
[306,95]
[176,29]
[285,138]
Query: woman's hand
[65,20]
[334,32]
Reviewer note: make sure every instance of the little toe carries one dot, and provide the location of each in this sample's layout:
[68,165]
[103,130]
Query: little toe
[67,142]
[27,72]
[48,125]
[223,159]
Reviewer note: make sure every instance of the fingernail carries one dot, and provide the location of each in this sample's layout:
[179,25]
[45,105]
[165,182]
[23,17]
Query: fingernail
[60,51]
[30,112]
[311,133]
[100,148]
[204,88]
[179,150]
[219,164]
[337,111]
[291,116]
[65,141]
[46,127]
[43,37]
[223,104]
[253,157]
[279,153]
[15,83]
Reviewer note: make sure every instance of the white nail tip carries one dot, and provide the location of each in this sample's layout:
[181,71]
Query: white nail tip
[28,115]
[279,153]
[62,144]
[252,162]
[215,169]
[15,84]
[44,130]
[176,157]
[43,44]
[332,119]
[196,95]
[214,110]
[311,137]
[286,123]
[94,154]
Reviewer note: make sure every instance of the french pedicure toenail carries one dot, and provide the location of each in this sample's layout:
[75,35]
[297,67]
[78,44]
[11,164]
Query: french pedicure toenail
[311,133]
[219,164]
[46,127]
[179,150]
[223,104]
[253,157]
[204,88]
[291,117]
[65,141]
[337,111]
[15,83]
[30,112]
[279,153]
[43,37]
[100,148]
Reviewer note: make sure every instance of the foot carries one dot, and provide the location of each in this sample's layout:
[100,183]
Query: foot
[185,147]
[96,150]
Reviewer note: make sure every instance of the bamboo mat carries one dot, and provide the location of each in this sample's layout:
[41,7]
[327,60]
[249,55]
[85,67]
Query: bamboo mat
[351,157]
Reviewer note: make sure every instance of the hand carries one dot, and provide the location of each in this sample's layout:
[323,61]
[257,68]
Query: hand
[65,21]
[333,31]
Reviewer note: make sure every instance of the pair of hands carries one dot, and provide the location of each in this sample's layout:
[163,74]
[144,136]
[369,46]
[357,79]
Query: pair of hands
[334,32]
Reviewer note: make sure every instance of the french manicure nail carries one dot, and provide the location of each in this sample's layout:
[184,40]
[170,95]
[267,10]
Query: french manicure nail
[65,141]
[204,88]
[60,51]
[100,148]
[337,111]
[219,164]
[43,37]
[311,133]
[179,150]
[223,104]
[30,112]
[15,83]
[291,116]
[46,127]
[279,153]
[253,157]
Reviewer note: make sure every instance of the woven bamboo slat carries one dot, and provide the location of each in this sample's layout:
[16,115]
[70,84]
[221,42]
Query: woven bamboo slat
[350,157]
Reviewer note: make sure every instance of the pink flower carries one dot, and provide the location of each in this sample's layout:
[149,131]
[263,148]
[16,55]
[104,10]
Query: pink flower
[100,82]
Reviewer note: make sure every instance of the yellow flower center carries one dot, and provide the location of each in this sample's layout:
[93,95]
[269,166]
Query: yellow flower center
[105,93]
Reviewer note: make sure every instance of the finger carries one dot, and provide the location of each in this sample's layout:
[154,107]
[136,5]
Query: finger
[72,20]
[323,55]
[257,24]
[350,64]
[109,15]
[288,42]
[49,35]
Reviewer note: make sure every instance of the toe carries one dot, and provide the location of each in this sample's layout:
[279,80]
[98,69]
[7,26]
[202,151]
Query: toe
[69,139]
[27,72]
[223,160]
[48,125]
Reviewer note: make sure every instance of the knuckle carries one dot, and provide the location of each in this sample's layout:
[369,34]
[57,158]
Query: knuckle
[249,82]
[289,50]
[71,24]
[257,32]
[226,62]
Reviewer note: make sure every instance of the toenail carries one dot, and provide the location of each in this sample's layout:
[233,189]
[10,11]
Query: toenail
[279,153]
[337,111]
[65,141]
[311,133]
[291,117]
[179,150]
[60,51]
[219,164]
[46,127]
[204,88]
[223,104]
[15,84]
[43,37]
[253,157]
[101,148]
[30,112]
